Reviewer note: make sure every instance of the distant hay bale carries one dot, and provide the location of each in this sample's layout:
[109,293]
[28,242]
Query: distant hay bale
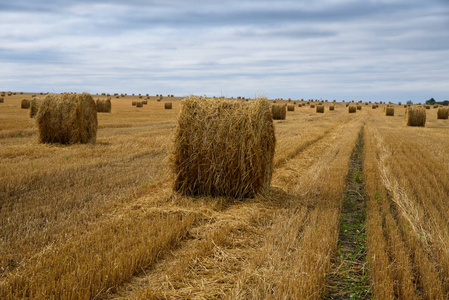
[2,99]
[104,106]
[239,161]
[168,105]
[427,106]
[144,102]
[443,113]
[415,116]
[67,119]
[331,107]
[139,104]
[359,107]
[312,105]
[34,106]
[399,103]
[291,107]
[134,103]
[352,109]
[320,108]
[373,106]
[347,104]
[25,104]
[279,112]
[32,96]
[389,111]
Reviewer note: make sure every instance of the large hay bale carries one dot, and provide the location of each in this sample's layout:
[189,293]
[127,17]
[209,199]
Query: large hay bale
[25,104]
[67,119]
[34,106]
[278,111]
[168,105]
[352,109]
[223,148]
[139,104]
[320,108]
[443,113]
[389,111]
[331,107]
[415,116]
[291,107]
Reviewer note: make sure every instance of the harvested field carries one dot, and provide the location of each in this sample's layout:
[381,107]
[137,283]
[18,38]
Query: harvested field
[102,220]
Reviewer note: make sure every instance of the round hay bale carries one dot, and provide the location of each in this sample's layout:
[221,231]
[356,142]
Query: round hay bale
[389,111]
[347,104]
[25,104]
[67,119]
[331,107]
[312,105]
[134,103]
[34,106]
[168,105]
[2,99]
[352,109]
[139,104]
[359,107]
[443,113]
[278,111]
[144,102]
[320,108]
[291,107]
[427,106]
[239,161]
[373,106]
[415,116]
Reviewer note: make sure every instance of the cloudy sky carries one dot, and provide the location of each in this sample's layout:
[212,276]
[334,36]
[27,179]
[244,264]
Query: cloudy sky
[331,49]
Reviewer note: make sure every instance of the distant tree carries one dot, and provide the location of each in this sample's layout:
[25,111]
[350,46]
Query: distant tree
[410,102]
[431,101]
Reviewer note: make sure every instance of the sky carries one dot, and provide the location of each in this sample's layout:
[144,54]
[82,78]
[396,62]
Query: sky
[390,50]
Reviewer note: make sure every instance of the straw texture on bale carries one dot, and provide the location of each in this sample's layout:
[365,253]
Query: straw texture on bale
[320,108]
[139,104]
[278,111]
[352,109]
[291,107]
[443,113]
[223,148]
[389,111]
[25,104]
[168,105]
[34,107]
[331,107]
[67,119]
[415,116]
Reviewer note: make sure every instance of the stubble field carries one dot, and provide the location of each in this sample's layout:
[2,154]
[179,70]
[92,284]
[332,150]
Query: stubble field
[102,222]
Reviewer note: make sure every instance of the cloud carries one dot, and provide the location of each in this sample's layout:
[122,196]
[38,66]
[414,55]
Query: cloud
[305,49]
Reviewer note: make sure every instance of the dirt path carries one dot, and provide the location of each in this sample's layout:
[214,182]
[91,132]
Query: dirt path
[348,278]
